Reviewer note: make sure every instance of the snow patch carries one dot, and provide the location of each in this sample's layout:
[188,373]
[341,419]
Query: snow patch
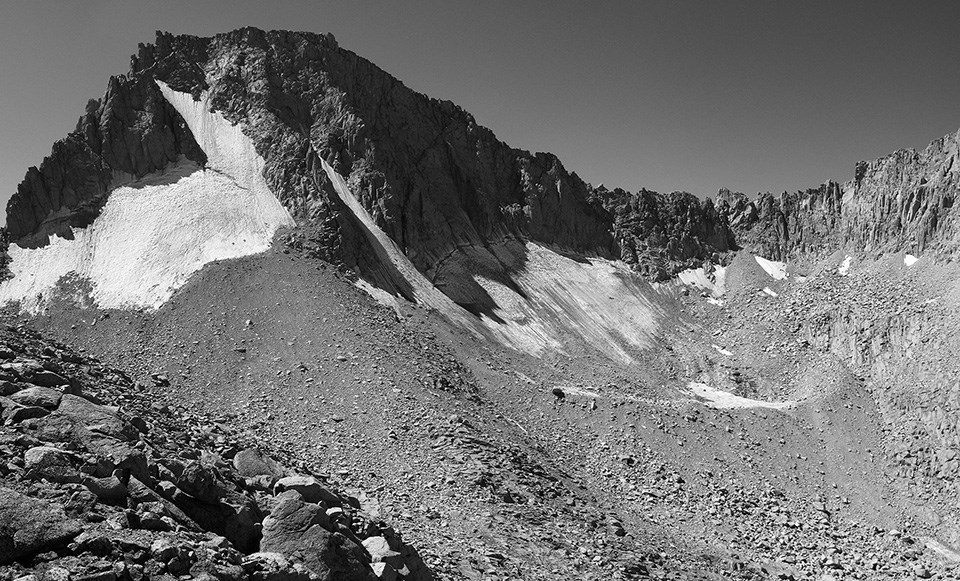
[909,259]
[527,336]
[844,268]
[714,282]
[718,399]
[776,270]
[600,302]
[721,350]
[770,292]
[153,233]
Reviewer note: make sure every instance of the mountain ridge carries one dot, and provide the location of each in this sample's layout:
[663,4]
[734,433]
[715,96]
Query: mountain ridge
[362,276]
[301,92]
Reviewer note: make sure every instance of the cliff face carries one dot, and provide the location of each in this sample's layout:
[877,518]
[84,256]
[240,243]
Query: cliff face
[899,202]
[129,133]
[435,181]
[431,178]
[661,234]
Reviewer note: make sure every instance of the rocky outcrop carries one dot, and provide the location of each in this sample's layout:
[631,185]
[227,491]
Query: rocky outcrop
[430,177]
[436,182]
[659,235]
[90,490]
[128,133]
[29,525]
[902,201]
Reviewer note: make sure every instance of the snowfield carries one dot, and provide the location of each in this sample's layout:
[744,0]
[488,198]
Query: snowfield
[776,270]
[844,268]
[599,302]
[714,282]
[719,399]
[152,234]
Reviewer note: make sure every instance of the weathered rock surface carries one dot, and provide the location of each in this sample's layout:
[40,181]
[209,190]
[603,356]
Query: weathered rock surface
[436,182]
[29,525]
[295,527]
[81,484]
[44,397]
[900,202]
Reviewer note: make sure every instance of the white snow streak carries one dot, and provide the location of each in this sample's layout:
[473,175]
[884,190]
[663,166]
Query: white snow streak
[909,259]
[598,301]
[721,350]
[718,399]
[844,268]
[776,270]
[714,282]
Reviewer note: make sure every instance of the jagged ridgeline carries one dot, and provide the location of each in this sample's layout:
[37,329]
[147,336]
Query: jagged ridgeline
[447,193]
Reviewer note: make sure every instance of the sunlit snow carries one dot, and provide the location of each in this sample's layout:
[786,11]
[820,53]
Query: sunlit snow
[714,282]
[719,399]
[152,234]
[776,270]
[844,268]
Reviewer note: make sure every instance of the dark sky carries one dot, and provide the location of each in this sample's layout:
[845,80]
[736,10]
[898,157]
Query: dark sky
[669,95]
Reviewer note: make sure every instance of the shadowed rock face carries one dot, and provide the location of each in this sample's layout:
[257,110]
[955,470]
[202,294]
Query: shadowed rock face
[127,134]
[435,181]
[431,178]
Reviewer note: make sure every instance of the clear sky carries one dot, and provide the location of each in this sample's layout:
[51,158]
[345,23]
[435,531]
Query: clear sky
[764,95]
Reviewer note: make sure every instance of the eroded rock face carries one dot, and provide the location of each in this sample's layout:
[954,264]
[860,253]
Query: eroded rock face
[902,201]
[427,174]
[437,183]
[659,235]
[29,525]
[80,482]
[130,132]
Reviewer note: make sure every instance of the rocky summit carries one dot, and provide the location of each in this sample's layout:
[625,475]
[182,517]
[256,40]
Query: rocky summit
[270,314]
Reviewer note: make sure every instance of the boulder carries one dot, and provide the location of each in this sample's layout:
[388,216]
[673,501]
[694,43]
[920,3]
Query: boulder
[8,388]
[46,378]
[380,552]
[108,490]
[29,525]
[204,483]
[96,418]
[47,462]
[139,493]
[44,397]
[120,455]
[309,488]
[218,507]
[300,530]
[13,413]
[250,462]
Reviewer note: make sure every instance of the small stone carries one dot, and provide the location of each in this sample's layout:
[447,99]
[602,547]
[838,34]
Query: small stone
[108,490]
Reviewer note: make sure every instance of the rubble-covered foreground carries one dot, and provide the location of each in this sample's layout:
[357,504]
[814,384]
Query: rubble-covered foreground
[98,484]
